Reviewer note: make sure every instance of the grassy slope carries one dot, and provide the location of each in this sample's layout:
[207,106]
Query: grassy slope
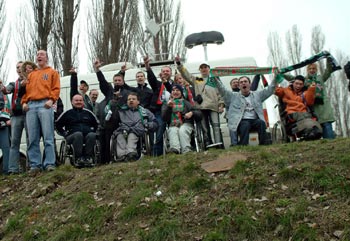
[297,191]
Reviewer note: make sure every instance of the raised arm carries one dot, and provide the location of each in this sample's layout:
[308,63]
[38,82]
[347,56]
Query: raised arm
[184,72]
[328,71]
[225,93]
[73,82]
[152,79]
[105,87]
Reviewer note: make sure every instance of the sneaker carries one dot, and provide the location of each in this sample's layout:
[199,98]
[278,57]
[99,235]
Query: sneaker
[50,168]
[174,150]
[132,156]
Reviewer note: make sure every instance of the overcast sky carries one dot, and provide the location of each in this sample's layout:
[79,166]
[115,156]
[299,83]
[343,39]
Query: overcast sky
[246,25]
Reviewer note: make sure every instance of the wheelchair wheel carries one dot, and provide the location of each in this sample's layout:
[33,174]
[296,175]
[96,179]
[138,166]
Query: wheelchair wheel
[166,144]
[97,152]
[62,154]
[146,144]
[279,133]
[113,149]
[198,138]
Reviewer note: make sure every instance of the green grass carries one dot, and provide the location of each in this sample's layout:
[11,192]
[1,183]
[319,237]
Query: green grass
[294,191]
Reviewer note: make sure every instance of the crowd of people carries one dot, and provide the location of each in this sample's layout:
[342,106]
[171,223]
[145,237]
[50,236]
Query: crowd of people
[162,105]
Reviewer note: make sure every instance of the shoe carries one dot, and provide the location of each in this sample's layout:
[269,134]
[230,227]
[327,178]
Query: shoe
[186,150]
[50,168]
[79,162]
[89,161]
[132,156]
[120,159]
[13,173]
[174,150]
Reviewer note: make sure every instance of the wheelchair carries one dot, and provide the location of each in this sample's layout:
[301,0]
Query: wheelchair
[66,154]
[144,146]
[197,139]
[285,130]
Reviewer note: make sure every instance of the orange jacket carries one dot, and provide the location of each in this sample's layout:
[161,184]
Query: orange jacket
[42,84]
[294,102]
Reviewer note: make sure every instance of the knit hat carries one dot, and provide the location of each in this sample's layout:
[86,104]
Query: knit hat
[179,87]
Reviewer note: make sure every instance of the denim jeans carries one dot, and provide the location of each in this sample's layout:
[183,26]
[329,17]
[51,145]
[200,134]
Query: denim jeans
[157,149]
[246,125]
[5,148]
[233,137]
[328,132]
[17,126]
[38,117]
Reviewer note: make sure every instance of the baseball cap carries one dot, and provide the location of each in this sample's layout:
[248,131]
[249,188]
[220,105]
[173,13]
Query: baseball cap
[84,82]
[204,63]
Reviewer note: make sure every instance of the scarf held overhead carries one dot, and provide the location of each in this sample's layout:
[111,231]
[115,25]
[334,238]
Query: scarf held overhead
[311,60]
[230,71]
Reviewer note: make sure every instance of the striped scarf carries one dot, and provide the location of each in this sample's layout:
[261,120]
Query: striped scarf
[176,115]
[230,71]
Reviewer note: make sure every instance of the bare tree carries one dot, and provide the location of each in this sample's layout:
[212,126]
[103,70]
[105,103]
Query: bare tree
[170,40]
[25,44]
[276,54]
[340,97]
[44,13]
[318,40]
[294,41]
[65,46]
[113,26]
[4,42]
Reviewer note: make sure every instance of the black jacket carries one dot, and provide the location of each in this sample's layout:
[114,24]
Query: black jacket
[145,95]
[108,91]
[156,86]
[74,120]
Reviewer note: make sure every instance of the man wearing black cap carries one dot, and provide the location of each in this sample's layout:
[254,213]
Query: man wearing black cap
[83,88]
[180,115]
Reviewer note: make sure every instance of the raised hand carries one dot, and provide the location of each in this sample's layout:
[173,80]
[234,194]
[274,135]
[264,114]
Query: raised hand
[146,60]
[97,65]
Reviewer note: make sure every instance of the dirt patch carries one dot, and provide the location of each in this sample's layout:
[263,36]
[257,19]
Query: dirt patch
[223,163]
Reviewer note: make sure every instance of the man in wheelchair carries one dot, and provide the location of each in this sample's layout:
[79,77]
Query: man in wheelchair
[298,101]
[134,122]
[78,126]
[180,116]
